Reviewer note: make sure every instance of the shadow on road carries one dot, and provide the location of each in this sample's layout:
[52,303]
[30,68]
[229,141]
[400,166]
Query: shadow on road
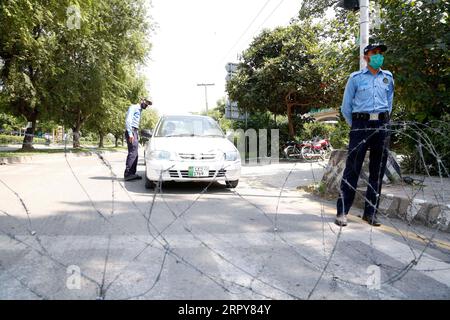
[230,226]
[170,187]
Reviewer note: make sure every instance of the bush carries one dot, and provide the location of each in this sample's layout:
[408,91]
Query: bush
[337,134]
[426,148]
[225,124]
[317,129]
[9,123]
[340,136]
[8,139]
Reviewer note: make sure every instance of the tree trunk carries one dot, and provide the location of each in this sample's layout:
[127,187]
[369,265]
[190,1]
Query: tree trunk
[116,140]
[290,122]
[121,139]
[76,136]
[101,137]
[27,143]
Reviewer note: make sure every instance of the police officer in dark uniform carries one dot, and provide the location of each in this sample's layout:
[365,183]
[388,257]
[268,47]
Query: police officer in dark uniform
[366,107]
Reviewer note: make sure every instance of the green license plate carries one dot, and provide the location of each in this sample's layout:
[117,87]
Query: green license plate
[198,172]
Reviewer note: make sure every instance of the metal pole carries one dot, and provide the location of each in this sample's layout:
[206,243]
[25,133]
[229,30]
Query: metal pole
[363,30]
[206,92]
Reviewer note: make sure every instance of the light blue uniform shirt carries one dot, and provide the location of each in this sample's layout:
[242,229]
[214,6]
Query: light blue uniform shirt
[369,93]
[133,118]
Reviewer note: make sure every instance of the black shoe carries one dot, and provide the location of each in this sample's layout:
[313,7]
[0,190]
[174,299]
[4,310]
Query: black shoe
[372,220]
[132,177]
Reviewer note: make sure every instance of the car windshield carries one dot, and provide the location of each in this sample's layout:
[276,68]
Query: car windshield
[188,126]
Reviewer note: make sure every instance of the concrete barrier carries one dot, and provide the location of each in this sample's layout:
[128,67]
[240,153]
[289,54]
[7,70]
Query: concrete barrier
[335,168]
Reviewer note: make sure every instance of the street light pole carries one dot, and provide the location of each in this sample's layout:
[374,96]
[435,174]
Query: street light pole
[363,7]
[363,30]
[206,92]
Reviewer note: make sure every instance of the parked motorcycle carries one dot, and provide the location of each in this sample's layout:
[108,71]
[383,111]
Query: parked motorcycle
[293,149]
[316,149]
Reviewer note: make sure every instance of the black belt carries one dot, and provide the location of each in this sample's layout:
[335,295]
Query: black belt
[370,116]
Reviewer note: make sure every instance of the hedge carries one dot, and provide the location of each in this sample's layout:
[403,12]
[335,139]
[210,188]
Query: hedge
[8,139]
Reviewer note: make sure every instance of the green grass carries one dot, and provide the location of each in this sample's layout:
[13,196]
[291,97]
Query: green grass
[19,153]
[112,148]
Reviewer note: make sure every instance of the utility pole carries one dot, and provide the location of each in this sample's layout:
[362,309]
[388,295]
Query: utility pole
[363,30]
[363,7]
[206,92]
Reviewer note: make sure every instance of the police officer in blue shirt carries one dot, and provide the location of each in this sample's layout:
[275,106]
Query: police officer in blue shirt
[366,107]
[132,120]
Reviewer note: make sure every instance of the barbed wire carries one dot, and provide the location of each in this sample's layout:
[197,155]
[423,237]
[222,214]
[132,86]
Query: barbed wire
[167,250]
[409,266]
[158,189]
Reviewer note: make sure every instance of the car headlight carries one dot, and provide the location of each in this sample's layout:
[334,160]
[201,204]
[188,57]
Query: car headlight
[160,155]
[231,156]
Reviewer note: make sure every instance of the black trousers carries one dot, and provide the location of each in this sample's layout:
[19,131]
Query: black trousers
[365,134]
[132,158]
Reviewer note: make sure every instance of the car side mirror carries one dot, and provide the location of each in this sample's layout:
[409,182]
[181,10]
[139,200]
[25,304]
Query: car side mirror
[146,133]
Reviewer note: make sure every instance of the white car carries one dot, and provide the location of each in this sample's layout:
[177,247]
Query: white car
[190,148]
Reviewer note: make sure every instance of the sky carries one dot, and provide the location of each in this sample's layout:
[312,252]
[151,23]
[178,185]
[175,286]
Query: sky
[195,39]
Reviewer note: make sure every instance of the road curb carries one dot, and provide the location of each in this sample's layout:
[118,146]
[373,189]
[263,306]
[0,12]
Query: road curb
[415,211]
[28,159]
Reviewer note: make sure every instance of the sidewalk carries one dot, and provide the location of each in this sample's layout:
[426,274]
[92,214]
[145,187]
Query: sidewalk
[15,147]
[52,146]
[426,202]
[40,153]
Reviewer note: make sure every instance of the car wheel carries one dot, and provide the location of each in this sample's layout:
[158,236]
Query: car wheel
[232,184]
[149,184]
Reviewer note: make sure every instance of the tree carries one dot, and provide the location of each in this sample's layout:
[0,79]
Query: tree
[10,123]
[117,128]
[133,89]
[283,68]
[53,70]
[417,35]
[111,40]
[315,8]
[218,114]
[110,117]
[27,40]
[149,118]
[337,54]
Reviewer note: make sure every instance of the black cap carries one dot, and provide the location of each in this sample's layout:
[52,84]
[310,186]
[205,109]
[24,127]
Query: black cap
[382,47]
[146,101]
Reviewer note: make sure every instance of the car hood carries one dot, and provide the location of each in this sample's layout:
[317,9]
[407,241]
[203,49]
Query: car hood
[191,144]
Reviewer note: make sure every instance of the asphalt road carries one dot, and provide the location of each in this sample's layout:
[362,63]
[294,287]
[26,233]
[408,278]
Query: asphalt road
[73,229]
